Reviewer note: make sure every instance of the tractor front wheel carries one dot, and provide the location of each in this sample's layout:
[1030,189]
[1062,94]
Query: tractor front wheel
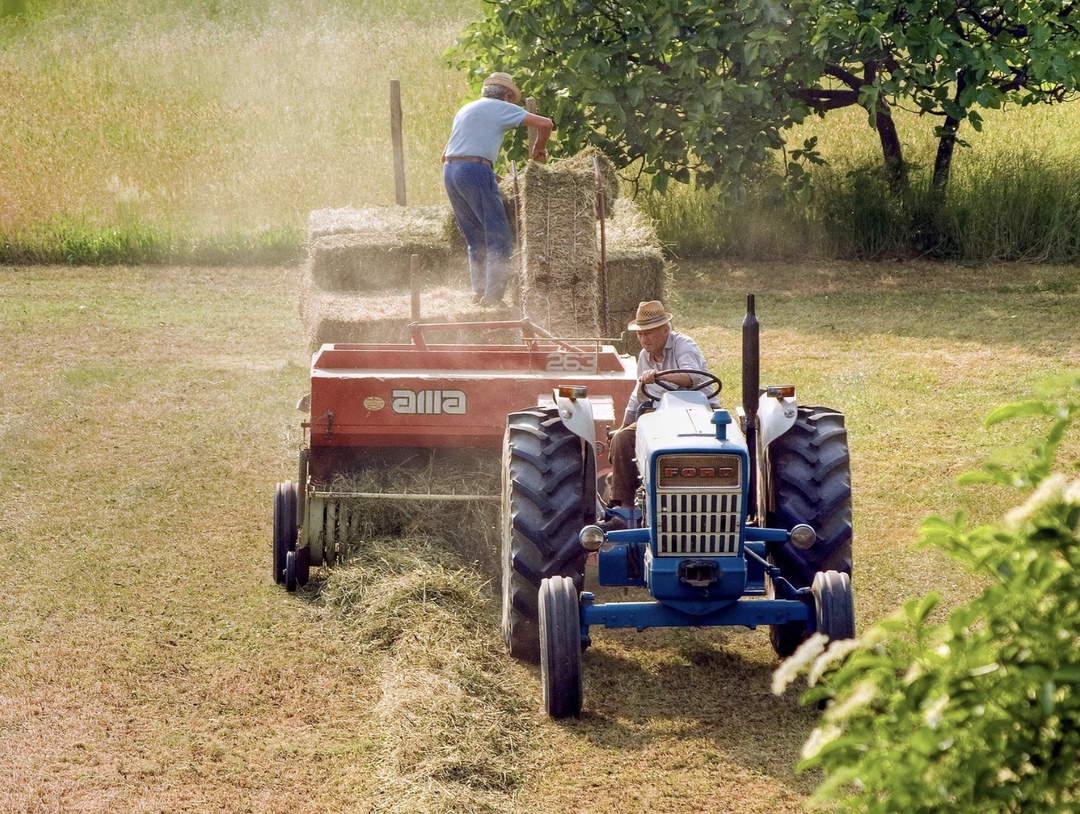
[544,507]
[560,647]
[834,606]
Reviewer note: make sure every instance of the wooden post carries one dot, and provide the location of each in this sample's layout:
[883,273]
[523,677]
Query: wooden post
[414,285]
[530,107]
[395,134]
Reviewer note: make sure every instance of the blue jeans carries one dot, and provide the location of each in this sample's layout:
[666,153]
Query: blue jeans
[478,207]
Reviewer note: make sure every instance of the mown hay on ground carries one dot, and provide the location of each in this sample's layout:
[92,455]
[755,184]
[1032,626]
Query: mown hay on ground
[452,723]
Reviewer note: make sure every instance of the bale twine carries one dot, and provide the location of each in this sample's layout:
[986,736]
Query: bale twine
[371,249]
[636,268]
[560,250]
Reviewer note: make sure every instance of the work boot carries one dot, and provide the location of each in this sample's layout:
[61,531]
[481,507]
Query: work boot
[613,523]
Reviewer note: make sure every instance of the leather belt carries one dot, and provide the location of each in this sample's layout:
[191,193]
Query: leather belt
[454,159]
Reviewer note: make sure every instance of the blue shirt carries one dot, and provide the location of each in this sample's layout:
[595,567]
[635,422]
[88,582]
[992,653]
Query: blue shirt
[479,128]
[680,352]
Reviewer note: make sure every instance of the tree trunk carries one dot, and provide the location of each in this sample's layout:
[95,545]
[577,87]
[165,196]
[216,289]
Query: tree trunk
[947,143]
[943,160]
[891,150]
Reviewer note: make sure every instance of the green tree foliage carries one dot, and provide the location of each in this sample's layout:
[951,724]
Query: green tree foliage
[682,87]
[674,87]
[946,58]
[980,713]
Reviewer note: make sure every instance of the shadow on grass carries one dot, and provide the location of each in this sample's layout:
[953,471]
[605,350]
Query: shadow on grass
[694,685]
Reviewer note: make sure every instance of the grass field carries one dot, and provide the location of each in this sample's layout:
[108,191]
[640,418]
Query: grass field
[207,131]
[149,663]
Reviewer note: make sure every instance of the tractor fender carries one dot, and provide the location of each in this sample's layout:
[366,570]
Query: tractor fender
[577,414]
[775,417]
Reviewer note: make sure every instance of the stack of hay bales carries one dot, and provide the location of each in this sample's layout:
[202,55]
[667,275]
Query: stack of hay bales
[356,282]
[370,249]
[561,288]
[560,251]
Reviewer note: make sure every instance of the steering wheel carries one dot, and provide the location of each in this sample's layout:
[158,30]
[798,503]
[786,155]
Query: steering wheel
[711,387]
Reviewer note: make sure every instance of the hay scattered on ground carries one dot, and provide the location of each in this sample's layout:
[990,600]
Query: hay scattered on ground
[451,729]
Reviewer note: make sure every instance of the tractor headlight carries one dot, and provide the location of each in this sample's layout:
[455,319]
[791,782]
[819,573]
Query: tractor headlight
[803,536]
[591,538]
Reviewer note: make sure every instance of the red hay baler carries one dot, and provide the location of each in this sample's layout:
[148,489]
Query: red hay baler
[372,404]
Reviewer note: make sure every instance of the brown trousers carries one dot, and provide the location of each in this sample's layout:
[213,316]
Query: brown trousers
[624,474]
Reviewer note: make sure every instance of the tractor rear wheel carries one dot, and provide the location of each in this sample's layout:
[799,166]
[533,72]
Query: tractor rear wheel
[833,605]
[808,473]
[560,647]
[544,506]
[285,515]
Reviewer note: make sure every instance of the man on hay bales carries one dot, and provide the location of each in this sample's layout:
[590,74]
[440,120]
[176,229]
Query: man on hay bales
[469,176]
[661,349]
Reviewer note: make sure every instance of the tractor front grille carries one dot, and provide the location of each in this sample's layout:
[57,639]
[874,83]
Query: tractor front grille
[702,523]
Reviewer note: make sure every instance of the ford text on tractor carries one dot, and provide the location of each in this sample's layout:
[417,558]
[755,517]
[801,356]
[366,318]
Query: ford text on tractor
[741,520]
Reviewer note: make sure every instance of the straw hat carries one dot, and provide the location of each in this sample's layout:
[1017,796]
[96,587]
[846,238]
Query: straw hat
[505,81]
[649,315]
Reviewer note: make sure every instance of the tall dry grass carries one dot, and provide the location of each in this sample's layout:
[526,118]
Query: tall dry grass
[1012,196]
[182,121]
[204,130]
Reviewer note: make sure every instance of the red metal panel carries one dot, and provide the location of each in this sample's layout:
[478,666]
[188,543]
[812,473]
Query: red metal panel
[448,396]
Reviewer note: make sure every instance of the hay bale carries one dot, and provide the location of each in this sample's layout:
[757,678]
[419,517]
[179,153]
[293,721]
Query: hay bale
[585,162]
[636,268]
[560,249]
[372,249]
[328,317]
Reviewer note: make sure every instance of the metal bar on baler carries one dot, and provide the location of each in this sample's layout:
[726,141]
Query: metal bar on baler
[422,496]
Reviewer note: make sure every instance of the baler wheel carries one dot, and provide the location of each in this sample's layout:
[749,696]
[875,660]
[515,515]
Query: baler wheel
[560,647]
[544,508]
[285,498]
[834,605]
[809,481]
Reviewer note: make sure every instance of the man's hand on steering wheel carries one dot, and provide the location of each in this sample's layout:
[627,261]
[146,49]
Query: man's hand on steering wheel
[711,387]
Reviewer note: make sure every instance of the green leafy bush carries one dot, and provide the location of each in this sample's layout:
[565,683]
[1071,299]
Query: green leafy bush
[979,713]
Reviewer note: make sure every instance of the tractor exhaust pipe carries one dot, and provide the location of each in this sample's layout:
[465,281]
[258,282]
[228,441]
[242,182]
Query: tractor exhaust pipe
[751,387]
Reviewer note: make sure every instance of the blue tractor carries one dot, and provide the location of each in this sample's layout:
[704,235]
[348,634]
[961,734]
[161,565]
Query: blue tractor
[742,520]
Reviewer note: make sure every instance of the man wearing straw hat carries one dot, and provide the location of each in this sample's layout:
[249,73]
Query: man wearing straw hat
[469,176]
[661,349]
